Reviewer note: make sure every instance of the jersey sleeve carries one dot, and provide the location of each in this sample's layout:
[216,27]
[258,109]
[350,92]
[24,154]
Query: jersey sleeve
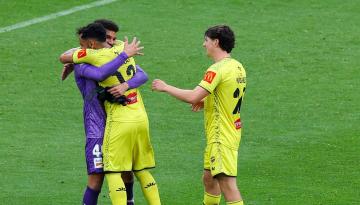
[211,79]
[139,78]
[84,56]
[101,73]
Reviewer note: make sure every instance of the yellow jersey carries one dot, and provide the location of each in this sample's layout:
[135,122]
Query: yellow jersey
[226,82]
[134,111]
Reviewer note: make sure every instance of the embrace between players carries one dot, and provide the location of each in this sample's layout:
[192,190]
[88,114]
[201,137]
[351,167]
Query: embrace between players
[116,125]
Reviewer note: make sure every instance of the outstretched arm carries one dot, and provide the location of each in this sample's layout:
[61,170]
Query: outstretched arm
[190,96]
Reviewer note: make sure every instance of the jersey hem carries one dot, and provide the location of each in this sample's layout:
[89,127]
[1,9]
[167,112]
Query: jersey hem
[220,173]
[133,170]
[137,170]
[224,174]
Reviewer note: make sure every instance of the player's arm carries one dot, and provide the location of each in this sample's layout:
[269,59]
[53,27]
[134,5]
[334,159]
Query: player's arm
[137,80]
[190,96]
[198,106]
[88,71]
[67,56]
[67,69]
[211,79]
[101,73]
[71,57]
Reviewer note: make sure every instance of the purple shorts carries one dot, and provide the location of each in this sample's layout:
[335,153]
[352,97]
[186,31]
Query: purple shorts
[93,155]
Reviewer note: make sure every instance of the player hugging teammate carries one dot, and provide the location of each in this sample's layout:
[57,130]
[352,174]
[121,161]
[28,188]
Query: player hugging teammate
[108,77]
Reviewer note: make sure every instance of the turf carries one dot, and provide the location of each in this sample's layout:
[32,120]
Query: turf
[300,142]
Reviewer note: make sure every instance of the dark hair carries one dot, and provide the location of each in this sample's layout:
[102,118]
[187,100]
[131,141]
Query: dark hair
[95,31]
[108,24]
[225,36]
[80,30]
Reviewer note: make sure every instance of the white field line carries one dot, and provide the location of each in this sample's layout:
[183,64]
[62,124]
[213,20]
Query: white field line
[54,15]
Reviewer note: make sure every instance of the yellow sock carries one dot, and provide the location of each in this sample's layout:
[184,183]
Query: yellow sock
[117,190]
[235,203]
[149,187]
[211,199]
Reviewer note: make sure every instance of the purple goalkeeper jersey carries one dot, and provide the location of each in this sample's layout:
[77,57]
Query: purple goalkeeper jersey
[93,110]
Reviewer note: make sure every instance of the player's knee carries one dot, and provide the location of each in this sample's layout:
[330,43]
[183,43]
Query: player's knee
[138,174]
[141,174]
[144,176]
[208,180]
[127,177]
[228,188]
[95,181]
[228,184]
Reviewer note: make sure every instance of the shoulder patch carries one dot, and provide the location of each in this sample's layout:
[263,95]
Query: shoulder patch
[81,53]
[209,76]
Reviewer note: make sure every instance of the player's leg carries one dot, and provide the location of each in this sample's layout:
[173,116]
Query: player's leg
[128,178]
[143,156]
[117,190]
[93,189]
[212,193]
[117,154]
[230,190]
[148,187]
[224,169]
[94,169]
[95,181]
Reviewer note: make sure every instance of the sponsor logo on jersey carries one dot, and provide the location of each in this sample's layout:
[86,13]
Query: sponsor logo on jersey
[81,53]
[98,164]
[150,185]
[241,80]
[121,189]
[237,124]
[132,98]
[209,76]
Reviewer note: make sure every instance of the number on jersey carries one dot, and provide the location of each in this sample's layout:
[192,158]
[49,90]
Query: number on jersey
[97,150]
[238,104]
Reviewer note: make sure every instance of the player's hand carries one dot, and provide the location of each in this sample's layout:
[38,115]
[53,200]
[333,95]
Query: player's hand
[133,48]
[67,69]
[197,106]
[158,85]
[119,90]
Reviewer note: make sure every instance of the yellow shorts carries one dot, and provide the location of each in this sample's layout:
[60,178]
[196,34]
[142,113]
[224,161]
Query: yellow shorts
[220,159]
[127,147]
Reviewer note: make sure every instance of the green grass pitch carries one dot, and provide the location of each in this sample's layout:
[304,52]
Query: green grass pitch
[300,142]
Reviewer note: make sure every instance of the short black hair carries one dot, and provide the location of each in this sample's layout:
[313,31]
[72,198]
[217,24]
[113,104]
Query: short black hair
[95,31]
[108,24]
[225,36]
[80,30]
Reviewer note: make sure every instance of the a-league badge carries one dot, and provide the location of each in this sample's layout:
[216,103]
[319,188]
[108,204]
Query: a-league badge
[98,163]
